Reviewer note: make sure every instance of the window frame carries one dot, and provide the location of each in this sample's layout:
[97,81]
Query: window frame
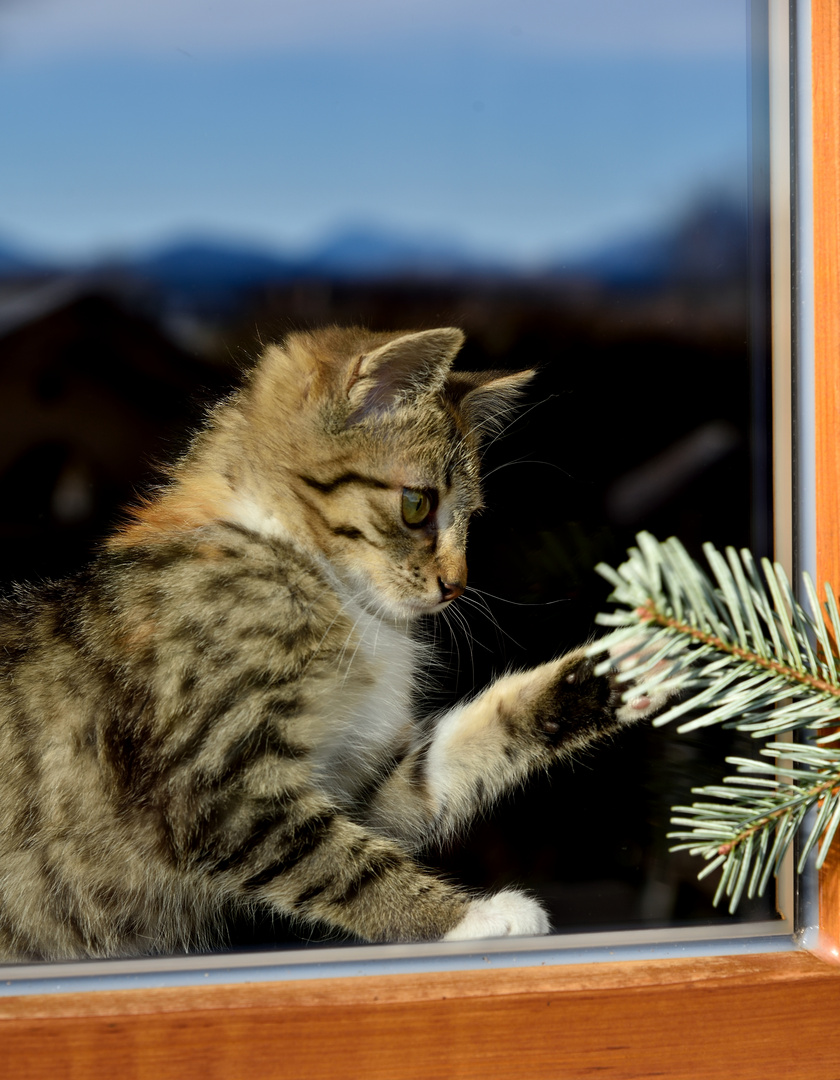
[627,1017]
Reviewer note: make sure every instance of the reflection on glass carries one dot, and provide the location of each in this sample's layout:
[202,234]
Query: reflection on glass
[567,181]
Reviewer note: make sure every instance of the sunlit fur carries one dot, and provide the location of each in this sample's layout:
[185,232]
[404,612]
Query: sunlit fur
[220,713]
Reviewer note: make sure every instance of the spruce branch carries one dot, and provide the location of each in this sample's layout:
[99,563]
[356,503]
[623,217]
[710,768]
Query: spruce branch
[736,648]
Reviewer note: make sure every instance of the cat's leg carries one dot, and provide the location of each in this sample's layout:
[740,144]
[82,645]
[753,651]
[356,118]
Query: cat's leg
[479,750]
[522,723]
[316,865]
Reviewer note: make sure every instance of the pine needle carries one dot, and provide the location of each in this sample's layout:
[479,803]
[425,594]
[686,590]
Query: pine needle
[736,648]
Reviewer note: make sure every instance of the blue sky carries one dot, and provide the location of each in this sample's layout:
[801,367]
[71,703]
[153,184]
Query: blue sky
[521,129]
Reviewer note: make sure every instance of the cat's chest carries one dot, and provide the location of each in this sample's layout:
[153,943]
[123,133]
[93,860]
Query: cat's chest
[370,704]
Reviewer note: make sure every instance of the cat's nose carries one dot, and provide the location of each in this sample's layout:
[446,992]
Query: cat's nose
[450,590]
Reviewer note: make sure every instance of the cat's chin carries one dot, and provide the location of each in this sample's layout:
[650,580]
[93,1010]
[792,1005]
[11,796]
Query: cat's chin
[410,610]
[399,608]
[397,611]
[417,608]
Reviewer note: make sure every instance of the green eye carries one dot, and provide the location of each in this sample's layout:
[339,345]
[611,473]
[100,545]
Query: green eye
[416,506]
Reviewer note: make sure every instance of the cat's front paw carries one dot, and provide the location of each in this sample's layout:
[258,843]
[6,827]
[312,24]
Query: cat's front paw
[576,705]
[507,914]
[582,702]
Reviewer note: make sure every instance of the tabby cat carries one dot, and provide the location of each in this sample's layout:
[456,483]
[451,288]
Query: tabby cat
[218,715]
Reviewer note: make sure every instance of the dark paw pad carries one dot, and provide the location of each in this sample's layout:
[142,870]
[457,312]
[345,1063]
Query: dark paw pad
[578,700]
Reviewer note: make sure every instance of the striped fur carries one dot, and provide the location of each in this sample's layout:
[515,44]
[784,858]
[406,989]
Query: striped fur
[219,713]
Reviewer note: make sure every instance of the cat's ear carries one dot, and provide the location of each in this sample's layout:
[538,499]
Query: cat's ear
[408,366]
[485,399]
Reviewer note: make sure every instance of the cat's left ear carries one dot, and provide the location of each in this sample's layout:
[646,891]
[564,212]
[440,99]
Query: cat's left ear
[485,399]
[411,365]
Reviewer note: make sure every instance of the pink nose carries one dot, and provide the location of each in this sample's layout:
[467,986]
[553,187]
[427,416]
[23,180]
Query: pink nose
[450,590]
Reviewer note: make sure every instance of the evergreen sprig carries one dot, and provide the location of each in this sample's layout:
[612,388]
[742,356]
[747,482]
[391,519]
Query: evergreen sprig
[736,648]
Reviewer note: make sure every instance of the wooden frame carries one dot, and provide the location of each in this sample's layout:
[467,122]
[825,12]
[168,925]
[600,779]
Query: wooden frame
[718,1016]
[826,153]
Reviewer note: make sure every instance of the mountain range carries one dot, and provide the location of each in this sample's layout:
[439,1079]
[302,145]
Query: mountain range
[707,243]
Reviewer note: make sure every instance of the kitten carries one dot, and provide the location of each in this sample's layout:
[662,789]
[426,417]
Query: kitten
[219,714]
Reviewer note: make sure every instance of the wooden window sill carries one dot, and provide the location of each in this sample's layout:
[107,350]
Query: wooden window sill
[733,1016]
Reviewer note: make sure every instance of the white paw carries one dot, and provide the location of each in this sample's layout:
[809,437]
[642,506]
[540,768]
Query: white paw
[507,914]
[627,655]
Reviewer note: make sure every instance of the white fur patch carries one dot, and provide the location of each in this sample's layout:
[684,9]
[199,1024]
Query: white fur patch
[365,726]
[507,914]
[439,760]
[248,513]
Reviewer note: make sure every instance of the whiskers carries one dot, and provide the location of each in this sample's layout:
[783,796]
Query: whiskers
[463,640]
[526,461]
[453,641]
[482,593]
[459,628]
[498,427]
[477,600]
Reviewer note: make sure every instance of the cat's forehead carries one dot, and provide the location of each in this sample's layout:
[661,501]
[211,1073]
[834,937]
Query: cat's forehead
[429,450]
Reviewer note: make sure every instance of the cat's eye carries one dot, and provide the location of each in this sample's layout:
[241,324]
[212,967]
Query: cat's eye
[416,506]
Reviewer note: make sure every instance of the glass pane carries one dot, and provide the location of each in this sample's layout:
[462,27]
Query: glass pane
[579,184]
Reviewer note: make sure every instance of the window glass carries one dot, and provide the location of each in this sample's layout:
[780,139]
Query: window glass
[579,184]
